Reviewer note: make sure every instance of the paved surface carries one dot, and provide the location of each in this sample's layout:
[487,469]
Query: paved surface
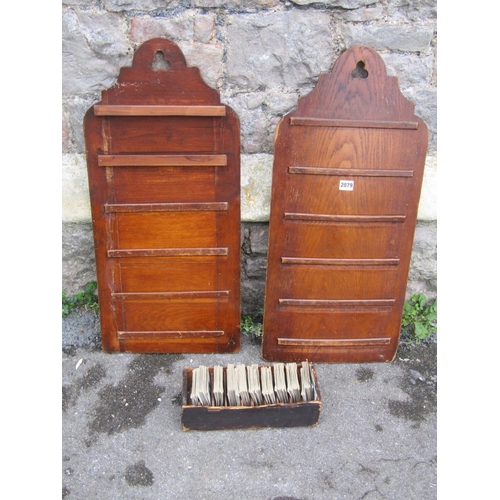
[123,439]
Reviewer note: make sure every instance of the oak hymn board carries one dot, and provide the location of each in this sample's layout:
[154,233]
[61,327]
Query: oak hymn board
[346,183]
[163,159]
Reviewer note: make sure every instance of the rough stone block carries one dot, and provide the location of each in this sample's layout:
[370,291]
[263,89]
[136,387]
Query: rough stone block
[411,70]
[256,268]
[252,296]
[280,103]
[204,27]
[411,38]
[427,208]
[175,28]
[93,51]
[66,132]
[259,238]
[414,10]
[278,49]
[254,122]
[362,15]
[235,4]
[75,189]
[344,4]
[139,5]
[425,100]
[81,3]
[77,106]
[188,25]
[256,178]
[78,258]
[423,267]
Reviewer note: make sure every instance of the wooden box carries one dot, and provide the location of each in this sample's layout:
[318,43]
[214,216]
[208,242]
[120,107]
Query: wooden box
[206,418]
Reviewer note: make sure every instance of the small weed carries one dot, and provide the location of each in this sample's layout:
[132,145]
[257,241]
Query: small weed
[251,326]
[86,299]
[419,317]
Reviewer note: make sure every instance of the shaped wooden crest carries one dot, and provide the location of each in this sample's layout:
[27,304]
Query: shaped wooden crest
[347,177]
[163,159]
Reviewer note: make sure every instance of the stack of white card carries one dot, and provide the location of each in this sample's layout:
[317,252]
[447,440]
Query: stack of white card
[266,377]
[280,383]
[292,382]
[200,388]
[308,388]
[233,396]
[254,387]
[249,386]
[218,390]
[241,374]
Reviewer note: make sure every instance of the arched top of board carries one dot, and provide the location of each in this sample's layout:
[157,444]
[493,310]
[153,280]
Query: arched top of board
[159,75]
[357,93]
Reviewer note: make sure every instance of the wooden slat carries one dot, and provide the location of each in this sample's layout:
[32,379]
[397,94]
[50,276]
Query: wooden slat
[156,110]
[166,207]
[122,335]
[148,160]
[198,294]
[343,218]
[326,122]
[339,262]
[335,304]
[349,172]
[334,342]
[167,252]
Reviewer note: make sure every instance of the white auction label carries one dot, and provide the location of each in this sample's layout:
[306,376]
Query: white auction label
[346,185]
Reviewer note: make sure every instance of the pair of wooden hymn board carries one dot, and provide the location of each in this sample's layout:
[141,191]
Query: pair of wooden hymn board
[163,159]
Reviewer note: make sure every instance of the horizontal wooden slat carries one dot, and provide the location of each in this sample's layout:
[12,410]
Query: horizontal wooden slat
[157,110]
[343,218]
[166,207]
[337,304]
[167,252]
[197,294]
[339,262]
[327,122]
[334,342]
[349,172]
[162,160]
[170,334]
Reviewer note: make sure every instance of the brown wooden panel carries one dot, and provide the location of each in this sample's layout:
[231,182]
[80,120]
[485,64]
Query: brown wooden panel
[165,229]
[322,240]
[160,315]
[163,158]
[321,194]
[131,135]
[342,283]
[172,274]
[347,176]
[162,184]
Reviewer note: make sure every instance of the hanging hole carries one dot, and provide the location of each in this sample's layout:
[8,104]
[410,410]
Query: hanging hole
[359,71]
[160,63]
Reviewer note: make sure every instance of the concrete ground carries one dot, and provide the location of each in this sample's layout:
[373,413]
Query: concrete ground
[123,439]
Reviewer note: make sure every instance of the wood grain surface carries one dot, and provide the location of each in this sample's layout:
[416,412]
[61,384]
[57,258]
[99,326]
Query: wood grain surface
[347,177]
[163,159]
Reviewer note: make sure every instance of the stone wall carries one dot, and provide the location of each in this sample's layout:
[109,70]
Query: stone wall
[261,55]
